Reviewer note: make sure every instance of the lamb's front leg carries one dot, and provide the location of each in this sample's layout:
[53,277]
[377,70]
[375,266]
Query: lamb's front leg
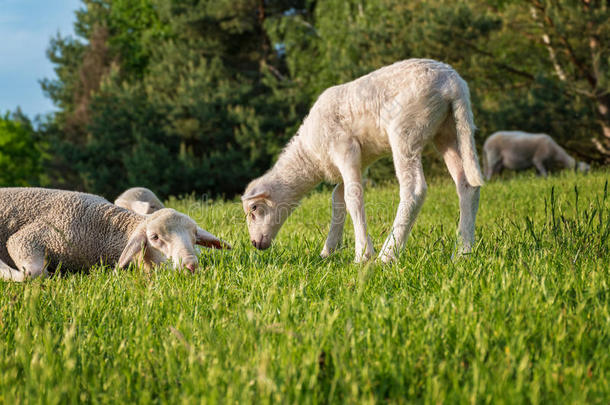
[27,253]
[347,159]
[337,221]
[540,167]
[9,273]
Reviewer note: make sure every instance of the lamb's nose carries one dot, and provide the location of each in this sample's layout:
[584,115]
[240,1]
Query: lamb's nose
[191,266]
[254,244]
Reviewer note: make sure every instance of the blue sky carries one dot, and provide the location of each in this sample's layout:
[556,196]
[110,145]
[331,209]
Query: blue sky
[26,27]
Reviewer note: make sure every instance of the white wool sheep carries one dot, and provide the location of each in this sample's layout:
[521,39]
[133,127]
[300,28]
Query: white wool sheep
[519,150]
[43,228]
[397,109]
[140,200]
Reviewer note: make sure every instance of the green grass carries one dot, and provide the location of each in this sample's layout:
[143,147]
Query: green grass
[525,319]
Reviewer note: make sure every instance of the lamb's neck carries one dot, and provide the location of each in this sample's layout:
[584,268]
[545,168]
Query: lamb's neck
[124,222]
[296,171]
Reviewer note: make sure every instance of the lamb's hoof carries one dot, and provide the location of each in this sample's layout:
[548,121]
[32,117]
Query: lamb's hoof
[387,258]
[461,255]
[363,258]
[461,252]
[325,253]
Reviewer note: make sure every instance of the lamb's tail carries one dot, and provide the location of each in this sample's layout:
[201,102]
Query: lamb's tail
[464,125]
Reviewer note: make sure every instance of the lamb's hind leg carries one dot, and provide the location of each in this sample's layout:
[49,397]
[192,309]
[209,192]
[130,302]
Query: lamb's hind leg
[468,195]
[337,221]
[413,189]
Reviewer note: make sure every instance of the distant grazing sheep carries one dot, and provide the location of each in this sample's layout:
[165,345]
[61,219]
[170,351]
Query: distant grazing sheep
[140,200]
[43,228]
[397,109]
[517,150]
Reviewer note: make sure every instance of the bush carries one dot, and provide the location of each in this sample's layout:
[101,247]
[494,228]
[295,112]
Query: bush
[19,154]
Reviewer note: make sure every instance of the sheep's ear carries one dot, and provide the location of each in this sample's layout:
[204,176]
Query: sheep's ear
[204,238]
[136,244]
[121,203]
[141,207]
[256,195]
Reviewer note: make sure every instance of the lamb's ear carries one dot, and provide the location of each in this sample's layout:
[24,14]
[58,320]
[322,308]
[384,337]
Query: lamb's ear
[141,207]
[121,203]
[204,238]
[136,244]
[264,194]
[257,195]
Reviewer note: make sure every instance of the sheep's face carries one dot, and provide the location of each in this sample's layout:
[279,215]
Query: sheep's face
[264,216]
[582,167]
[168,235]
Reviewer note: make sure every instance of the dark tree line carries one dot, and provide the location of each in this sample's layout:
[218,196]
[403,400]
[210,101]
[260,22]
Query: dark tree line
[188,95]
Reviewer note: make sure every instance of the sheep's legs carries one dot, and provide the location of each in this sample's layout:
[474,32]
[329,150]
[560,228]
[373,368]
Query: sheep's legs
[9,273]
[347,159]
[540,167]
[27,254]
[413,188]
[337,221]
[468,195]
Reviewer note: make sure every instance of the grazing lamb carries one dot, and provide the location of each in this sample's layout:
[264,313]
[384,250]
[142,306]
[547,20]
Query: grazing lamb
[140,200]
[518,150]
[397,109]
[43,228]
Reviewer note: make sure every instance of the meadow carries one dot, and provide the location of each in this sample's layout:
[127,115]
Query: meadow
[524,319]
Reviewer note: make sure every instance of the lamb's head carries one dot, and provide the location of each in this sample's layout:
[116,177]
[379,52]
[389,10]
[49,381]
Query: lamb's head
[582,167]
[266,207]
[168,234]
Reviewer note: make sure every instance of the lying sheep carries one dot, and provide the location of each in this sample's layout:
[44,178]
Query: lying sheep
[397,109]
[140,200]
[519,150]
[43,228]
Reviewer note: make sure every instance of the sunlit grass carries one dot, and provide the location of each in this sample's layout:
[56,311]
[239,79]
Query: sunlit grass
[525,319]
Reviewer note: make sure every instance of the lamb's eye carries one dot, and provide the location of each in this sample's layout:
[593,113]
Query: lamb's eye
[154,236]
[251,212]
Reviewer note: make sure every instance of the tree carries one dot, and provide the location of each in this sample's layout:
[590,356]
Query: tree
[201,95]
[577,37]
[528,64]
[19,154]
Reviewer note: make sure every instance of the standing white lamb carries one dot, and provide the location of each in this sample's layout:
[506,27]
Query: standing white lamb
[519,150]
[43,228]
[140,200]
[397,109]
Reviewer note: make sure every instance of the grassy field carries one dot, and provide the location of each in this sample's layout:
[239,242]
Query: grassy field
[525,319]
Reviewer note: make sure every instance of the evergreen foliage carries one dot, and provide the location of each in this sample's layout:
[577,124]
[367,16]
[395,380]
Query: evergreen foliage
[201,96]
[20,155]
